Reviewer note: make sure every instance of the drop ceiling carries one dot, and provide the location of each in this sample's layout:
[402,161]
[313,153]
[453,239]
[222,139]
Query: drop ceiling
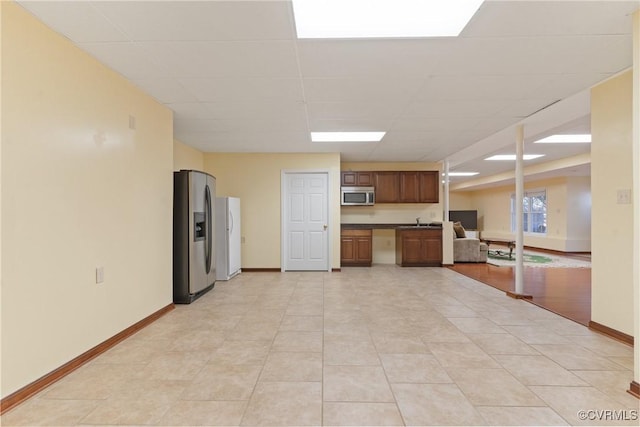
[238,80]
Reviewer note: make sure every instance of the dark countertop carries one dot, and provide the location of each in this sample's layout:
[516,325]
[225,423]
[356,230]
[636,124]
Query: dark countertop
[387,226]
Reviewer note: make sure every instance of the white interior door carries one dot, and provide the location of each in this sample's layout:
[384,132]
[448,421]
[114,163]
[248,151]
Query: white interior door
[305,227]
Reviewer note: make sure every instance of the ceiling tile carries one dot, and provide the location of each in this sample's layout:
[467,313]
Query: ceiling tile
[471,86]
[358,90]
[605,54]
[201,20]
[328,125]
[238,80]
[371,58]
[165,90]
[195,110]
[506,56]
[126,58]
[77,20]
[469,109]
[277,109]
[525,107]
[382,154]
[564,85]
[248,141]
[243,89]
[496,123]
[238,125]
[550,18]
[386,109]
[442,124]
[207,59]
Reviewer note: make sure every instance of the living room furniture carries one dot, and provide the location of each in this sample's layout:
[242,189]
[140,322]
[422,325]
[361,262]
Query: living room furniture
[511,244]
[469,249]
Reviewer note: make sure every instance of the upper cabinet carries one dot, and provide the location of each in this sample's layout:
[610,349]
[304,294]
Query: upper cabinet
[428,187]
[356,179]
[387,187]
[409,187]
[397,186]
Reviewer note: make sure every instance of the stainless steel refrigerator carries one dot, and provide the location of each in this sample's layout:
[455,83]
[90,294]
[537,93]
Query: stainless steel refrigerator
[228,238]
[194,259]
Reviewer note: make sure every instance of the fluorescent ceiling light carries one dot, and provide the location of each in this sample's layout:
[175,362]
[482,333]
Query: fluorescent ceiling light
[382,18]
[346,136]
[513,157]
[566,139]
[462,173]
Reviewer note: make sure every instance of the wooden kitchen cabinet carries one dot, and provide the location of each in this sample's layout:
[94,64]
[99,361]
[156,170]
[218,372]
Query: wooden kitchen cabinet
[417,247]
[429,186]
[409,187]
[397,186]
[356,179]
[387,187]
[419,187]
[356,247]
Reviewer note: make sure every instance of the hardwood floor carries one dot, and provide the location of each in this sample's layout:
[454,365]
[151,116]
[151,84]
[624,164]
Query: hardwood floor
[565,291]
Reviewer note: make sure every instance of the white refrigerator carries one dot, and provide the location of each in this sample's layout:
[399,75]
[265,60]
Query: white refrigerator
[227,237]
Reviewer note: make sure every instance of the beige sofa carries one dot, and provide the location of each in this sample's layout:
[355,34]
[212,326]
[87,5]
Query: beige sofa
[468,249]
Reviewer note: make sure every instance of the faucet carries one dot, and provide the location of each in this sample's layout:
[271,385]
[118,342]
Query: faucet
[418,222]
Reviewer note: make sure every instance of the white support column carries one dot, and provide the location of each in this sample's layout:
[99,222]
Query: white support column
[445,216]
[635,384]
[519,280]
[447,228]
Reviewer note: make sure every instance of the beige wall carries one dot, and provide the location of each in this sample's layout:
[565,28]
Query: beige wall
[255,179]
[568,215]
[185,157]
[461,200]
[79,190]
[578,217]
[1,389]
[636,190]
[612,222]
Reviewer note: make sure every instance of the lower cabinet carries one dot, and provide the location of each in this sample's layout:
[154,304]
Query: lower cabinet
[418,247]
[356,247]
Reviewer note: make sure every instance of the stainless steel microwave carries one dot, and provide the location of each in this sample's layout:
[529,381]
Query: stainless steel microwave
[357,196]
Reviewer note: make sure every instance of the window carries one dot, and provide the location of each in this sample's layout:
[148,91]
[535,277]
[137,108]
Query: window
[534,212]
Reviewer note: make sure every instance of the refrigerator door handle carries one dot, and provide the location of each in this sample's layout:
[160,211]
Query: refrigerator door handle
[208,231]
[231,222]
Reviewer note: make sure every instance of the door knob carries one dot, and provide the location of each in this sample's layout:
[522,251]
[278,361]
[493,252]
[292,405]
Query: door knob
[324,226]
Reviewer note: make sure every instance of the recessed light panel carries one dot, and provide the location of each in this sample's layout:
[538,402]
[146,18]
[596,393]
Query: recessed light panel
[513,157]
[346,136]
[462,173]
[566,139]
[382,18]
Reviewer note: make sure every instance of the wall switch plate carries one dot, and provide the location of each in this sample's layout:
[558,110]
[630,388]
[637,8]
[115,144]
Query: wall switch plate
[99,274]
[624,197]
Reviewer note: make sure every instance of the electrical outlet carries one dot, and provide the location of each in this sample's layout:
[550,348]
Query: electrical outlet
[242,239]
[99,274]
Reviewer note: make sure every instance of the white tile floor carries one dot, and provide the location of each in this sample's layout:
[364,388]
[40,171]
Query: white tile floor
[367,346]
